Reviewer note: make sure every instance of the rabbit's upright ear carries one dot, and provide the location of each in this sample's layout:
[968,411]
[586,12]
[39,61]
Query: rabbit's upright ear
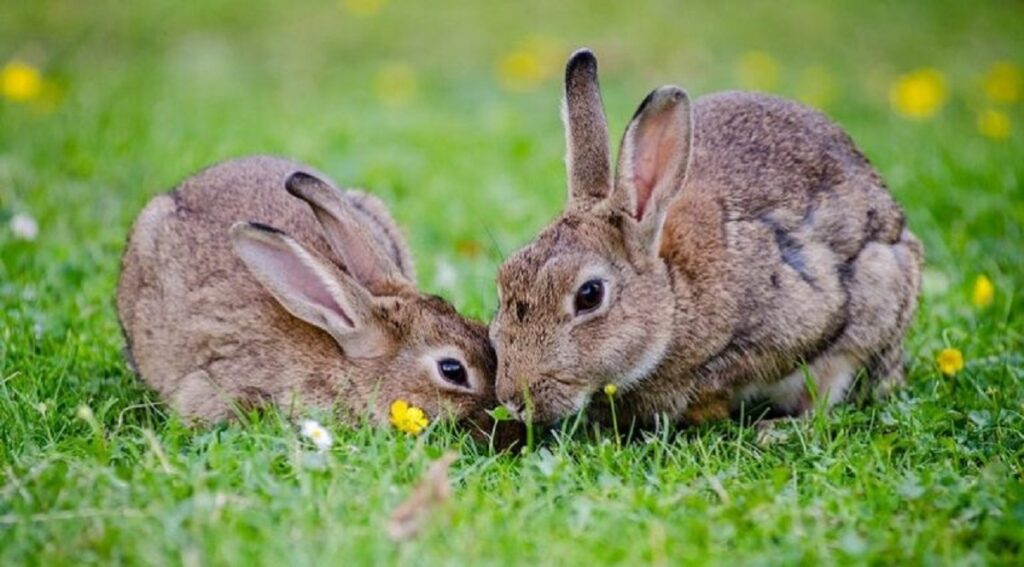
[653,158]
[349,238]
[310,287]
[587,159]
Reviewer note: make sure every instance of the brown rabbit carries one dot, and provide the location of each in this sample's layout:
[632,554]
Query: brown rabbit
[742,237]
[319,310]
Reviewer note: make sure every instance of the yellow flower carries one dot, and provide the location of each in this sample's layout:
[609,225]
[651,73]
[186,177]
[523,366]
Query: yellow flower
[757,70]
[1002,82]
[994,124]
[983,292]
[535,60]
[395,84]
[363,8]
[409,419]
[950,361]
[610,389]
[919,94]
[20,81]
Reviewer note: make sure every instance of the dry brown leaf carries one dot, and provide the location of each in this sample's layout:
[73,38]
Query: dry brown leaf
[429,495]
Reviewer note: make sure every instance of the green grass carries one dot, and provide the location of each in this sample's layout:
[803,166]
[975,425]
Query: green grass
[150,92]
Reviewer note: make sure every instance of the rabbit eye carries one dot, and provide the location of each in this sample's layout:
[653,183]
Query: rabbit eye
[589,296]
[453,371]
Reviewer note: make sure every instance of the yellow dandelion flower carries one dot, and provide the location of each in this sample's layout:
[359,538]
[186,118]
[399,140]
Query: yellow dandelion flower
[1002,82]
[20,81]
[994,124]
[409,419]
[610,389]
[757,70]
[535,60]
[950,361]
[816,86]
[919,94]
[363,8]
[984,292]
[395,84]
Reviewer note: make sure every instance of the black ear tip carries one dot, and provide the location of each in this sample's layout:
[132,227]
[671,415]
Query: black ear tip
[297,181]
[645,103]
[659,97]
[581,60]
[263,227]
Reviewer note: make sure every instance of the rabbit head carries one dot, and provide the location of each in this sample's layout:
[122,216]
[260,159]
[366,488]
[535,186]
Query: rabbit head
[589,302]
[395,342]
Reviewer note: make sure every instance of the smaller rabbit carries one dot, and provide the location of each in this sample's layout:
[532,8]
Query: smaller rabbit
[310,302]
[743,239]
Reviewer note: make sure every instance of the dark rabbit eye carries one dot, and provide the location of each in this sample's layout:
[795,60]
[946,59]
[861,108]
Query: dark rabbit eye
[453,371]
[589,296]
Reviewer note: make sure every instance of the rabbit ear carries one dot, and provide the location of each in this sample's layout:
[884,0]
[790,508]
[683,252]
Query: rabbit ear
[310,287]
[653,158]
[348,236]
[587,159]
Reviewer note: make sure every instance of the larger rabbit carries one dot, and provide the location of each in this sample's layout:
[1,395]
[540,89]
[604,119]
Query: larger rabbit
[744,246]
[320,309]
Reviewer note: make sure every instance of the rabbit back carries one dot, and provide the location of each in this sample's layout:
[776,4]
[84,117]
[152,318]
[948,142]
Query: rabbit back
[198,328]
[797,244]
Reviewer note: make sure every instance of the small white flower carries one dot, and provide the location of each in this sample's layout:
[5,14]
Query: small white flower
[445,276]
[317,434]
[84,413]
[24,227]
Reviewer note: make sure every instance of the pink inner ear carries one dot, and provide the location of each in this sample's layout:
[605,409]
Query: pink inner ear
[295,280]
[652,154]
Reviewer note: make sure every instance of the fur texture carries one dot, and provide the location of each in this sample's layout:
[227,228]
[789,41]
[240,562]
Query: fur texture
[744,236]
[309,304]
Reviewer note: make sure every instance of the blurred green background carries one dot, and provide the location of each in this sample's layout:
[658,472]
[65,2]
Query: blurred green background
[450,112]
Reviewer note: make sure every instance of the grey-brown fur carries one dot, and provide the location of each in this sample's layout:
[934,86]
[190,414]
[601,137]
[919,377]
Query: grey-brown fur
[208,337]
[781,247]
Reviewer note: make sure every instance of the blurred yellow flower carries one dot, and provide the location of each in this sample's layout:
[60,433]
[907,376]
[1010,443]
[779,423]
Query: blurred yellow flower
[757,70]
[919,94]
[816,86]
[983,293]
[20,81]
[1002,82]
[536,59]
[363,8]
[468,247]
[395,84]
[409,419]
[994,124]
[950,361]
[610,389]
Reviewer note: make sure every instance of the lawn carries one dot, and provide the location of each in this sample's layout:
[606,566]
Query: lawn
[451,116]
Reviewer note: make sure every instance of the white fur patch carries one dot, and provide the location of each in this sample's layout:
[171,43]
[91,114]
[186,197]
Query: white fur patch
[831,374]
[652,356]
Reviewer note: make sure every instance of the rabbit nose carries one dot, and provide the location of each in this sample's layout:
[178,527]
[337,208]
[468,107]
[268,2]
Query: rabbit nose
[511,396]
[516,407]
